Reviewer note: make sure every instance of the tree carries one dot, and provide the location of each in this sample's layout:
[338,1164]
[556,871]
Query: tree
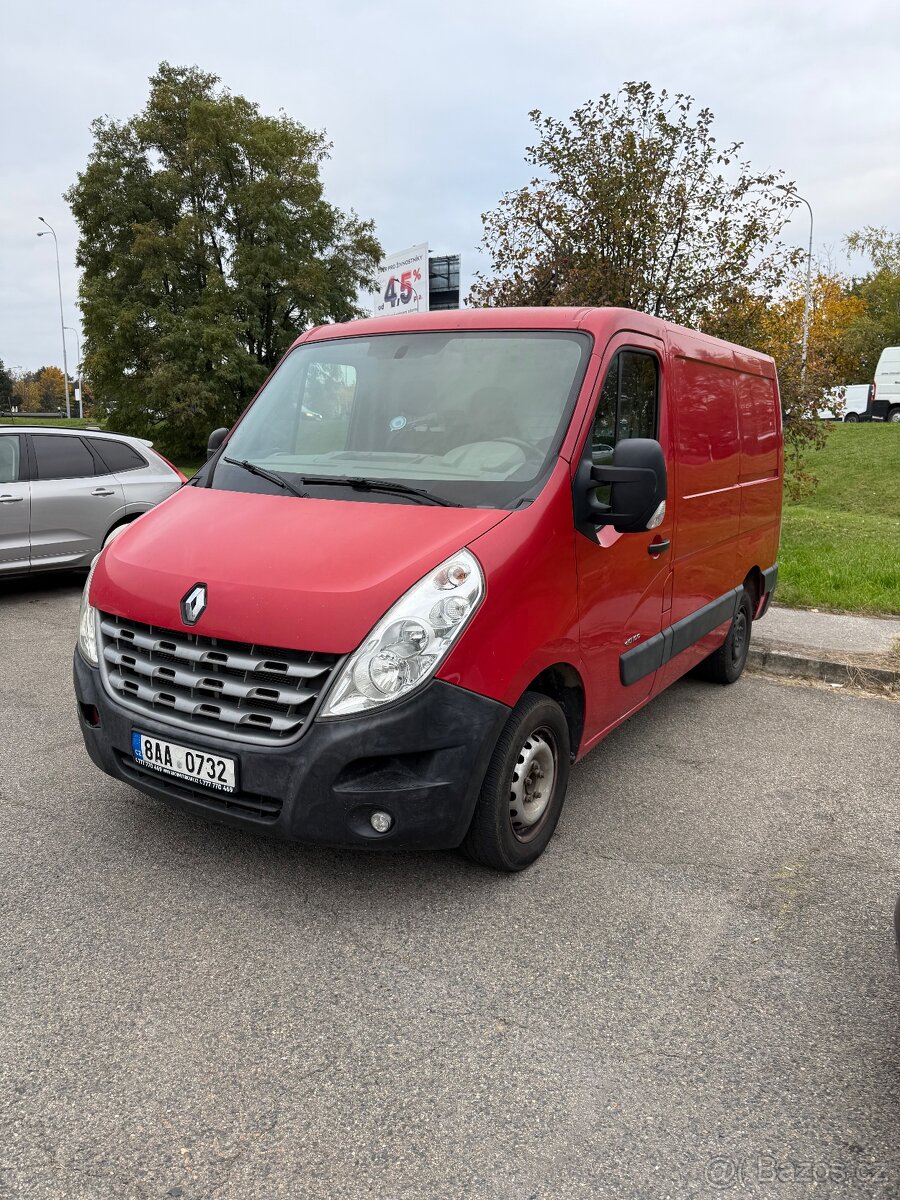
[879,323]
[635,205]
[41,391]
[829,364]
[6,387]
[206,246]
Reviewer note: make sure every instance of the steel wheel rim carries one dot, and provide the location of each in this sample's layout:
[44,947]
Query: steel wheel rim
[532,784]
[739,637]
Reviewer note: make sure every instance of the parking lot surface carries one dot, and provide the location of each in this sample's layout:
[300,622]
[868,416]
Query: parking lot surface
[693,992]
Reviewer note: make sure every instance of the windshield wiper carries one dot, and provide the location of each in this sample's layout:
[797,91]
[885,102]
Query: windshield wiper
[264,474]
[365,484]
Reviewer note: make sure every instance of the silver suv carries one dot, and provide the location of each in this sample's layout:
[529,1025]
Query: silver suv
[63,492]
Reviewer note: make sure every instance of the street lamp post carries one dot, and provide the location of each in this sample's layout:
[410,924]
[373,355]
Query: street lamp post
[71,329]
[61,318]
[806,294]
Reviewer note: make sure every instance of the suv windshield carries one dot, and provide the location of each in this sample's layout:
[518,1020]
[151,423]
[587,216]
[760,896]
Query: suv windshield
[470,417]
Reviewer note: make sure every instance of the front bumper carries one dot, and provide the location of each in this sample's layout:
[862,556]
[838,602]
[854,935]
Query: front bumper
[422,760]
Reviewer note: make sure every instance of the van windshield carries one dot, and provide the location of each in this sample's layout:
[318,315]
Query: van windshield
[474,418]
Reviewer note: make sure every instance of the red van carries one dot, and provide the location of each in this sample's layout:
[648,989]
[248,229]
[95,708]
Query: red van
[436,561]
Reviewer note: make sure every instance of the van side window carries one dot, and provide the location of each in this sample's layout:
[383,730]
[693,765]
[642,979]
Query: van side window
[326,405]
[638,396]
[628,405]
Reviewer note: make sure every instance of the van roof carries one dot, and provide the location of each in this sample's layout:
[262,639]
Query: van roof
[602,323]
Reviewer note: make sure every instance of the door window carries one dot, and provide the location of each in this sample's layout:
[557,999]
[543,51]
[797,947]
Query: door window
[10,458]
[62,457]
[628,407]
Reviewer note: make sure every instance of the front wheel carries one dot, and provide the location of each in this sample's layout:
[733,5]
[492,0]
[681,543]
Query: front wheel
[524,787]
[726,665]
[894,416]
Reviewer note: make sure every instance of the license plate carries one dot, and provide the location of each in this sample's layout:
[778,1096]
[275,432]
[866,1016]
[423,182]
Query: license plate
[197,766]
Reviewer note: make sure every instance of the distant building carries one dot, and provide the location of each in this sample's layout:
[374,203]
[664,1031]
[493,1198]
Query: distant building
[443,282]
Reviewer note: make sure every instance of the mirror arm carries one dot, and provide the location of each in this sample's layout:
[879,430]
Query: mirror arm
[621,474]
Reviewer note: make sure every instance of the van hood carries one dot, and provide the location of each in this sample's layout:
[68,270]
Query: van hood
[306,574]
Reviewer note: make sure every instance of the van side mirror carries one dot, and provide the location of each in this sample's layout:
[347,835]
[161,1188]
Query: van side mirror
[216,438]
[638,492]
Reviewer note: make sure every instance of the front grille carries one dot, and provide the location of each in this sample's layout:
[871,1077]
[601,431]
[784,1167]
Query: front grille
[251,692]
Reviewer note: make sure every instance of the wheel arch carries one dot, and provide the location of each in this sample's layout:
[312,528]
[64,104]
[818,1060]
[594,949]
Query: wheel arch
[754,586]
[119,522]
[562,682]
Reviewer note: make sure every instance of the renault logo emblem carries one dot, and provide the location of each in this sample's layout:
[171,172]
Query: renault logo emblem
[194,604]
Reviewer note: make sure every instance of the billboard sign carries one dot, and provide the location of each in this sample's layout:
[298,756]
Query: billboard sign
[403,283]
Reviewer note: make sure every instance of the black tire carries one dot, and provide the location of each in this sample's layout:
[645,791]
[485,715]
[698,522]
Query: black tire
[851,418]
[726,665]
[506,834]
[893,416]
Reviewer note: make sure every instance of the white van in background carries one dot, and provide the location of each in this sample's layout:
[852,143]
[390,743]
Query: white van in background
[886,403]
[855,407]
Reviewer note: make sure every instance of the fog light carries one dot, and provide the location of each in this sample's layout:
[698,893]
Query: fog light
[381,821]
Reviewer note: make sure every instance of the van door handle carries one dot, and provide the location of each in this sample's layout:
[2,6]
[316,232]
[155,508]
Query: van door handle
[103,492]
[657,548]
[11,499]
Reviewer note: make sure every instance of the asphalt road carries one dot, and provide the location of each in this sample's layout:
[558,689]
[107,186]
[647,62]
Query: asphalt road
[693,992]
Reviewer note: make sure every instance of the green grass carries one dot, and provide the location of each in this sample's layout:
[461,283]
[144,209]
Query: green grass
[840,548]
[859,469]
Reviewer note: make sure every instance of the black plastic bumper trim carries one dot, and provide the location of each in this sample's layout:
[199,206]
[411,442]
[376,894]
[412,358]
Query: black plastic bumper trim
[643,660]
[423,760]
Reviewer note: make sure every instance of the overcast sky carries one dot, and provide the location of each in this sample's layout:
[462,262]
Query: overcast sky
[427,105]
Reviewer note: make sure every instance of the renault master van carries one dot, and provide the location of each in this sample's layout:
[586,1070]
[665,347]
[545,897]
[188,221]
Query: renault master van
[437,560]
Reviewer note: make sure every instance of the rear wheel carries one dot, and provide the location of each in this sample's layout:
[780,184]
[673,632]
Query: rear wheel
[726,665]
[851,419]
[524,787]
[894,416]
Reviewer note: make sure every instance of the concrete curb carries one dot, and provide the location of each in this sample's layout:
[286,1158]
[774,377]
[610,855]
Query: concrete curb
[773,661]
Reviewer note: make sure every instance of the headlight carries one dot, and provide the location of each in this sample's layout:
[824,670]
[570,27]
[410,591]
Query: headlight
[87,623]
[411,640]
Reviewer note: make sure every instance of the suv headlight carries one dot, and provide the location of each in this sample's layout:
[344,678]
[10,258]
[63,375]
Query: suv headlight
[87,623]
[411,640]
